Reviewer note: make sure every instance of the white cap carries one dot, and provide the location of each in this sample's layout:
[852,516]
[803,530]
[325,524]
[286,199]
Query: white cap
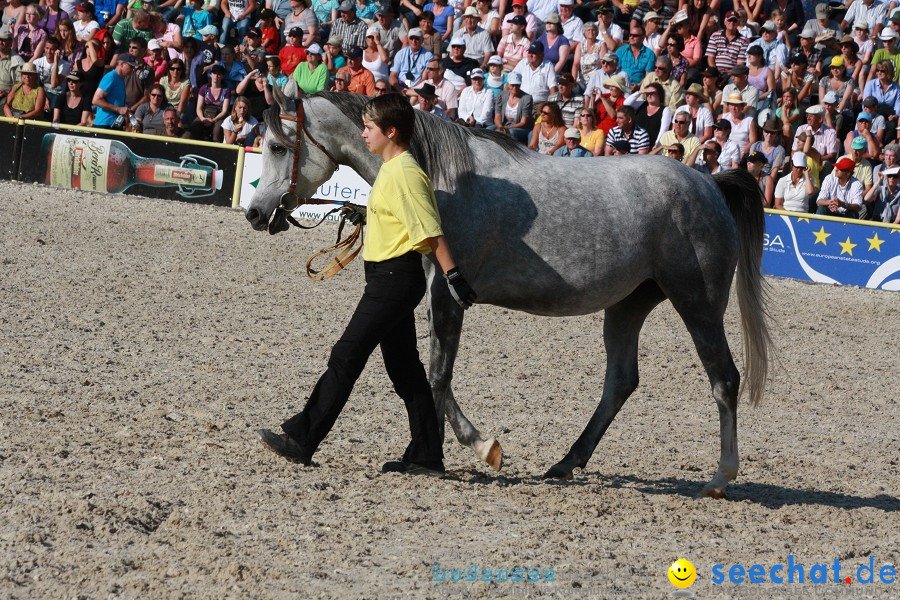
[572,134]
[887,34]
[798,159]
[681,16]
[153,44]
[496,59]
[830,98]
[815,109]
[458,42]
[892,171]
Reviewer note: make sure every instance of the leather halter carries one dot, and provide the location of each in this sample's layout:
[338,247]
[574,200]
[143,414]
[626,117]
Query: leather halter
[344,248]
[291,194]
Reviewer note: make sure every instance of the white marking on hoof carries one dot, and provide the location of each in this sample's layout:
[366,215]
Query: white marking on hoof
[489,451]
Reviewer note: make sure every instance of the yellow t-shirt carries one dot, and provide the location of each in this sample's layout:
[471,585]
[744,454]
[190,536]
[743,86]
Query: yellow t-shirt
[402,211]
[596,138]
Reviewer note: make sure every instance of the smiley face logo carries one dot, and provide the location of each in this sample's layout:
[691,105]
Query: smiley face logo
[682,573]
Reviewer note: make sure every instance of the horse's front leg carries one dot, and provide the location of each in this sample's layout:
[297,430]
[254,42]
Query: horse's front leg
[445,319]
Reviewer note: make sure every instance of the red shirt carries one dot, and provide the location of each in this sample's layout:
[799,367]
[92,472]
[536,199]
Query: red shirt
[270,39]
[291,56]
[605,121]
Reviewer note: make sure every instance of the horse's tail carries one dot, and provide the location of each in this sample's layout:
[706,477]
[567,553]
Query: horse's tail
[744,199]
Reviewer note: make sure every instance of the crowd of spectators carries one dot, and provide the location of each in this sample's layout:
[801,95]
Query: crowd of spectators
[802,94]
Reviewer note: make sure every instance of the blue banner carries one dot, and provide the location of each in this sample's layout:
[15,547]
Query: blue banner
[843,252]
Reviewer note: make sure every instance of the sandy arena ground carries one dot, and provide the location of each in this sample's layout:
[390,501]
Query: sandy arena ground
[143,341]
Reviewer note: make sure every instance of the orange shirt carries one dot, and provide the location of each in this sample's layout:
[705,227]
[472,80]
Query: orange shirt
[361,82]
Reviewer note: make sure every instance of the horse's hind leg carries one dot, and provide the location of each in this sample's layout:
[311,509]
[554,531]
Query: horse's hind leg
[445,319]
[708,333]
[621,329]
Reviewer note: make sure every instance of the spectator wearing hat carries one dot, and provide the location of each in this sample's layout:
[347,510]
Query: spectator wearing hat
[862,168]
[807,48]
[662,75]
[476,102]
[72,107]
[678,35]
[139,80]
[800,78]
[608,31]
[822,23]
[884,89]
[727,48]
[26,99]
[884,199]
[619,148]
[375,56]
[479,46]
[609,66]
[662,11]
[157,60]
[569,104]
[252,53]
[427,101]
[515,43]
[771,147]
[652,33]
[547,136]
[824,138]
[84,22]
[388,30]
[839,83]
[299,14]
[457,65]
[863,137]
[572,27]
[853,65]
[409,64]
[520,9]
[842,193]
[556,46]
[879,123]
[213,107]
[730,152]
[110,95]
[866,47]
[293,53]
[608,103]
[349,27]
[872,12]
[635,59]
[679,134]
[333,54]
[795,191]
[774,51]
[626,129]
[513,109]
[494,79]
[888,52]
[361,79]
[538,74]
[740,85]
[710,152]
[757,166]
[447,94]
[743,127]
[696,105]
[760,77]
[311,75]
[572,147]
[832,117]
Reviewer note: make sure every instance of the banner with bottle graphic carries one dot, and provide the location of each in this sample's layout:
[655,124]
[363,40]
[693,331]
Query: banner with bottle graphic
[9,158]
[344,186]
[833,251]
[109,162]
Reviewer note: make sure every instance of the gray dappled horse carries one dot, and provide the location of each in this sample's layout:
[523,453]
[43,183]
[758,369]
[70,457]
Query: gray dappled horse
[560,237]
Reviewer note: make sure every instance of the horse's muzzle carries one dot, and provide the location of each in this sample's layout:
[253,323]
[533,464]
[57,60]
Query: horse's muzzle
[257,220]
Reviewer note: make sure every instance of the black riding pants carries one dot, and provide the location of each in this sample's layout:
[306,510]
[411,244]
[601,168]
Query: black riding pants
[384,316]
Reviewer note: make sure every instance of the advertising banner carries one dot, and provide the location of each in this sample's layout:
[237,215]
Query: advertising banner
[105,161]
[8,159]
[344,186]
[807,248]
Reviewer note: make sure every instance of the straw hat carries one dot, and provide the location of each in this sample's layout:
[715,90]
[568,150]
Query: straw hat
[618,82]
[735,99]
[697,90]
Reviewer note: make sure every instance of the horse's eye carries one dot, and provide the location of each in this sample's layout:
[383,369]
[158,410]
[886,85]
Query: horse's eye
[277,149]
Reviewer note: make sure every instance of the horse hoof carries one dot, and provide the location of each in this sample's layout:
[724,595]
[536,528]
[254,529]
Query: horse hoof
[494,455]
[559,472]
[712,492]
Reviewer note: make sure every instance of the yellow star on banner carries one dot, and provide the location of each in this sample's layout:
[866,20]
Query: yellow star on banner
[847,247]
[821,236]
[803,219]
[874,242]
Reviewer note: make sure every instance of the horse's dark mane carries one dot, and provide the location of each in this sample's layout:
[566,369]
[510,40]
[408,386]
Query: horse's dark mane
[440,148]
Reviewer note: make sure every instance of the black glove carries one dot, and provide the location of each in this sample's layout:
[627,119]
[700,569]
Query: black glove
[460,289]
[354,215]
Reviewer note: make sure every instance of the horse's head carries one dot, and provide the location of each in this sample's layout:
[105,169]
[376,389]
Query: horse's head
[286,151]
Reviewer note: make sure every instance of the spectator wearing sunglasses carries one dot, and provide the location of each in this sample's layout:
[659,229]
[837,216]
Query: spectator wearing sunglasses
[794,190]
[636,59]
[727,48]
[679,134]
[885,197]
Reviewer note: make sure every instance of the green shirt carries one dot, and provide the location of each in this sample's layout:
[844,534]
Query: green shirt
[125,32]
[310,81]
[882,54]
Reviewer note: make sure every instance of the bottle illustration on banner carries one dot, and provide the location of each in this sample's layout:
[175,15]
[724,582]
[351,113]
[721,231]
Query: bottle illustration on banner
[99,165]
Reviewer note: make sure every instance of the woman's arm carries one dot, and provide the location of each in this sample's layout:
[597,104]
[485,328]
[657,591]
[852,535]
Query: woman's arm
[226,110]
[560,140]
[535,134]
[38,105]
[230,135]
[199,110]
[576,61]
[442,252]
[848,97]
[564,52]
[752,137]
[185,98]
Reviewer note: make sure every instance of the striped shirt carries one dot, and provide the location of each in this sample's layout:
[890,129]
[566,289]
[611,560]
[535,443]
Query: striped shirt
[727,53]
[849,193]
[639,138]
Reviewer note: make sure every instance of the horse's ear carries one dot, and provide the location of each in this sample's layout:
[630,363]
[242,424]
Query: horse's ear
[284,103]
